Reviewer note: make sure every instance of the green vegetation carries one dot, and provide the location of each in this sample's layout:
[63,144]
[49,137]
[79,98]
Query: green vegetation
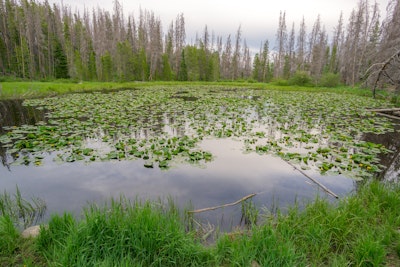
[359,230]
[300,78]
[330,80]
[316,129]
[19,211]
[28,89]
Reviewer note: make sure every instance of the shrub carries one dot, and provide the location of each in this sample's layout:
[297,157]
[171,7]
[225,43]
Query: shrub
[301,78]
[281,82]
[330,80]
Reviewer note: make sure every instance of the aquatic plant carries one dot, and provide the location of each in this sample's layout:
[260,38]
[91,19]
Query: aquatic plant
[316,130]
[21,212]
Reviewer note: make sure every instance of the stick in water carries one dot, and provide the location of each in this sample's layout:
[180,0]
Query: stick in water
[225,205]
[315,181]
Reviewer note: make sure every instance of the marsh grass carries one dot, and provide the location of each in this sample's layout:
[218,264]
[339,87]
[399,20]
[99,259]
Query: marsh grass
[134,233]
[17,213]
[250,213]
[22,212]
[24,89]
[360,230]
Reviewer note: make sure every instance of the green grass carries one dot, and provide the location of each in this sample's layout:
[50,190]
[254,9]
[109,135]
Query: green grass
[21,212]
[133,233]
[17,213]
[28,89]
[360,230]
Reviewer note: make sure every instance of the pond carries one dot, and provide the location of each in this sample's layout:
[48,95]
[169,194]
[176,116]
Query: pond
[199,145]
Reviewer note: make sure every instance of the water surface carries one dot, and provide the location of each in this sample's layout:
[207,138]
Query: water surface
[232,174]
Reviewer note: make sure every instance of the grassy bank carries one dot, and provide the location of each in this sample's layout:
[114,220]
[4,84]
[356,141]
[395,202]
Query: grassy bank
[360,230]
[38,89]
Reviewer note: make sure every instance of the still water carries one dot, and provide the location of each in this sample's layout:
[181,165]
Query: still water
[231,175]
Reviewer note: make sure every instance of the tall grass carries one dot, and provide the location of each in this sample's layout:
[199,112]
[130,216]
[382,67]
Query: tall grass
[360,230]
[133,233]
[20,211]
[17,213]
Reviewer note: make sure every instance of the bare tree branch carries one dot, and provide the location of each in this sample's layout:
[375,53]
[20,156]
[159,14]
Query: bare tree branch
[383,70]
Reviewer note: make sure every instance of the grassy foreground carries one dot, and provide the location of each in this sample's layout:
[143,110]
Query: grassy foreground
[360,230]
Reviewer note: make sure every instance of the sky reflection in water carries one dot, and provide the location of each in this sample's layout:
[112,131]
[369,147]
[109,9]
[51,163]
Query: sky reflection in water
[229,177]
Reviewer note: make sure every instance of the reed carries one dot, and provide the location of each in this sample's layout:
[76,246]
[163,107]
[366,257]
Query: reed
[22,212]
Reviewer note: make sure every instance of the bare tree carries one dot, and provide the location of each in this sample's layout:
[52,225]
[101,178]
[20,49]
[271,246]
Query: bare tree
[156,47]
[246,61]
[226,59]
[336,44]
[353,44]
[290,54]
[236,54]
[301,46]
[318,57]
[180,36]
[281,40]
[313,39]
[386,69]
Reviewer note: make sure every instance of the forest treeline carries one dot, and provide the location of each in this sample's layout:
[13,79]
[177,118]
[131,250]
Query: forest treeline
[40,41]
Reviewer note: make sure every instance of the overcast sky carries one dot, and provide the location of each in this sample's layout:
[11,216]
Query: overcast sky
[258,18]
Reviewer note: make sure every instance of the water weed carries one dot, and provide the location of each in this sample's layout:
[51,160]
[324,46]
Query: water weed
[162,125]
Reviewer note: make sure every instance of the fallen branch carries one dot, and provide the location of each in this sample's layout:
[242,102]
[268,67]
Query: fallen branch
[388,115]
[384,109]
[223,206]
[315,181]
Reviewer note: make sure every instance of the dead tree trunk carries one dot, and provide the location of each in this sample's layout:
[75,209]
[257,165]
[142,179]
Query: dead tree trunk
[383,74]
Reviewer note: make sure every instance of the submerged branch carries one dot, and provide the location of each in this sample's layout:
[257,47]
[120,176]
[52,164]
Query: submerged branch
[223,206]
[315,181]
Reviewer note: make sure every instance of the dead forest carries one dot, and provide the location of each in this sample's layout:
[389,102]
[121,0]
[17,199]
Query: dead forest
[39,41]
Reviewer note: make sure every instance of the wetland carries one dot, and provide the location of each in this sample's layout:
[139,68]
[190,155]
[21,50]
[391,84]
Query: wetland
[204,145]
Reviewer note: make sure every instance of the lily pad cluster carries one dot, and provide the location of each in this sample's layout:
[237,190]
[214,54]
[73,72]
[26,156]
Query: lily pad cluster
[320,131]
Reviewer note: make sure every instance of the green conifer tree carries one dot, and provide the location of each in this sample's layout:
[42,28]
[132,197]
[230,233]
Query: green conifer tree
[183,72]
[166,68]
[60,62]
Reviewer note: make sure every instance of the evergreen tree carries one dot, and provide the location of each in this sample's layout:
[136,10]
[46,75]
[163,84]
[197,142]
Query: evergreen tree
[79,71]
[256,68]
[92,69]
[106,70]
[214,66]
[60,63]
[183,72]
[142,66]
[166,70]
